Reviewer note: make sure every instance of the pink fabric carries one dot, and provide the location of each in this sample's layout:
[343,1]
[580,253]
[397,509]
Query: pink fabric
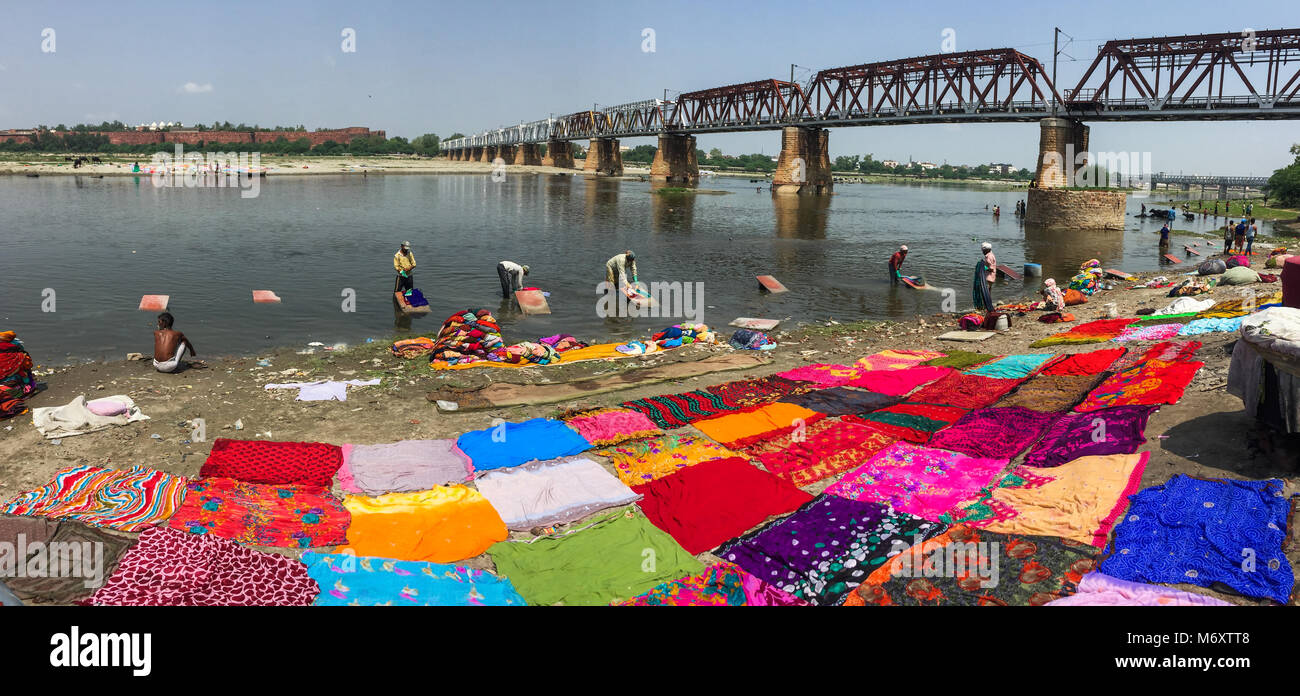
[898,382]
[1152,332]
[613,427]
[824,375]
[107,407]
[924,481]
[896,359]
[1100,590]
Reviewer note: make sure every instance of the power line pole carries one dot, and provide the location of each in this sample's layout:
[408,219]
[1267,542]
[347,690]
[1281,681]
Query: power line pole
[1056,35]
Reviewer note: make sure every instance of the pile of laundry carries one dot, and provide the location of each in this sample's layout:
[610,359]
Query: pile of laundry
[683,334]
[748,339]
[16,380]
[469,336]
[1088,279]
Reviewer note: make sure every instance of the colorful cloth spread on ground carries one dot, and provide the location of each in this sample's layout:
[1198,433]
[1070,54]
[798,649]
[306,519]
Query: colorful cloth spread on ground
[924,481]
[1012,366]
[411,348]
[961,359]
[752,392]
[840,401]
[73,562]
[610,426]
[1162,353]
[823,375]
[967,567]
[1195,531]
[1144,385]
[898,382]
[909,421]
[720,585]
[707,504]
[1118,430]
[1098,331]
[409,465]
[1204,326]
[257,515]
[369,581]
[541,494]
[1080,500]
[1148,332]
[827,547]
[827,448]
[646,460]
[124,500]
[1090,363]
[16,379]
[168,567]
[1228,309]
[1051,393]
[896,359]
[600,563]
[448,523]
[512,444]
[965,391]
[1098,589]
[997,433]
[739,430]
[676,410]
[274,463]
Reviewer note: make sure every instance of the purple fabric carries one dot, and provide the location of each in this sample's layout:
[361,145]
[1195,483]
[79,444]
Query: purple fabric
[1118,430]
[993,433]
[827,547]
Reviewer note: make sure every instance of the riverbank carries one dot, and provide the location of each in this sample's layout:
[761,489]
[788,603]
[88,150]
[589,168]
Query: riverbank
[1205,434]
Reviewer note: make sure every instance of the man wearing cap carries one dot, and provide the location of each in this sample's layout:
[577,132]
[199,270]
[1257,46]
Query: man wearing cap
[896,264]
[621,269]
[512,277]
[404,263]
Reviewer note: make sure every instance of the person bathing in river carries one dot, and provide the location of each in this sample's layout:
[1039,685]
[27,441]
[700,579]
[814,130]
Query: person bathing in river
[896,264]
[1164,236]
[986,271]
[404,264]
[620,270]
[169,345]
[512,277]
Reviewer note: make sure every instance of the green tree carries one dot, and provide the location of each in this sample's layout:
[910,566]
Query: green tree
[1284,184]
[427,145]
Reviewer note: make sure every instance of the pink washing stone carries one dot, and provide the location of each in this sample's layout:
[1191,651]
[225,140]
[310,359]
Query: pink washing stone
[154,303]
[265,296]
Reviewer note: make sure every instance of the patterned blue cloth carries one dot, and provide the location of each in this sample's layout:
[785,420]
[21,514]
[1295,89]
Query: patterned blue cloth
[512,444]
[1204,532]
[1012,366]
[1202,326]
[347,580]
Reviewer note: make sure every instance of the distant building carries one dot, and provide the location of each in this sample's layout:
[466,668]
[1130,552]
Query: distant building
[1001,168]
[890,163]
[927,165]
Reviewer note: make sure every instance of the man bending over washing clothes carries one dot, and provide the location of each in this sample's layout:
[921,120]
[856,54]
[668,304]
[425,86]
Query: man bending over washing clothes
[169,345]
[621,269]
[512,277]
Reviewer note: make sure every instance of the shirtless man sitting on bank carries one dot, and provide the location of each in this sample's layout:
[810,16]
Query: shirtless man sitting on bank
[169,345]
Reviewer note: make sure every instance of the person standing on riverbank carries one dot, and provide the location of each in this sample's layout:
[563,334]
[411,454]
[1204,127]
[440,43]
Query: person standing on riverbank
[620,270]
[512,277]
[404,264]
[1251,231]
[986,271]
[1239,236]
[896,264]
[169,345]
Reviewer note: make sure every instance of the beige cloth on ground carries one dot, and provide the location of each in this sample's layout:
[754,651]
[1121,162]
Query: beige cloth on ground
[75,419]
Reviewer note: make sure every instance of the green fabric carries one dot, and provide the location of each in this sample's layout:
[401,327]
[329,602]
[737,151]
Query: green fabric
[960,359]
[906,420]
[619,556]
[1166,318]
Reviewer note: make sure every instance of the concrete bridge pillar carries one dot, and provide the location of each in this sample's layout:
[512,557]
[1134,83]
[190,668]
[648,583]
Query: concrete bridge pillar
[804,165]
[1223,192]
[490,153]
[604,157]
[558,154]
[675,161]
[507,153]
[476,154]
[526,154]
[1054,202]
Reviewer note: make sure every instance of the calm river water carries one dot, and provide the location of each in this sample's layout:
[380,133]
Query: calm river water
[100,244]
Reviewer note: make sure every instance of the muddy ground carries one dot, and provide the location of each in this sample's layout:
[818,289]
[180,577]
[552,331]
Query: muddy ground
[1206,434]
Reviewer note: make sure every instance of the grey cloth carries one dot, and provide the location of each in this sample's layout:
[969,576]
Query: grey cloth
[1269,395]
[409,465]
[7,598]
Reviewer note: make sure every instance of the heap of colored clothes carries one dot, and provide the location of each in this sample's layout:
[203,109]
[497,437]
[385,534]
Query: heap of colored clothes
[16,379]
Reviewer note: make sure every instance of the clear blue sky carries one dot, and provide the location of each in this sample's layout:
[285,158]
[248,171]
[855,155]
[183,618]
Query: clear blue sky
[466,66]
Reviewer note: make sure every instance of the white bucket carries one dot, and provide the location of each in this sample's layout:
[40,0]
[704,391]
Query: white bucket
[1002,323]
[1111,310]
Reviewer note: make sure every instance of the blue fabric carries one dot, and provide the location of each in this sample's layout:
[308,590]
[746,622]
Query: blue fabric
[1203,326]
[1204,532]
[416,298]
[1012,366]
[347,580]
[516,443]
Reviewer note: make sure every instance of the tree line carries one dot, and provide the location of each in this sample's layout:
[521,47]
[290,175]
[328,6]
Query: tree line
[80,139]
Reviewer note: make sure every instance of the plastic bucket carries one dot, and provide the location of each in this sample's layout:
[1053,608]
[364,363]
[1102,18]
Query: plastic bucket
[1033,270]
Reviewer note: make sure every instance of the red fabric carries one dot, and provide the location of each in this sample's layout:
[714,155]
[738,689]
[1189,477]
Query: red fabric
[899,382]
[274,463]
[891,431]
[704,505]
[943,414]
[172,568]
[1291,282]
[965,391]
[259,515]
[1094,363]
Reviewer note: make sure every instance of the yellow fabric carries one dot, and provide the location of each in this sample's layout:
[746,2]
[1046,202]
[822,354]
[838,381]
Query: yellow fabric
[402,262]
[446,524]
[646,460]
[1073,506]
[597,352]
[732,428]
[890,359]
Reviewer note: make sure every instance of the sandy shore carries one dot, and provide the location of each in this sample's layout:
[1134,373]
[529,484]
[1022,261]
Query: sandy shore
[1206,434]
[118,165]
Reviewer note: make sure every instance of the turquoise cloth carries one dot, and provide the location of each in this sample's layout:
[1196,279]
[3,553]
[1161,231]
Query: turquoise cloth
[1204,326]
[512,444]
[1012,366]
[347,580]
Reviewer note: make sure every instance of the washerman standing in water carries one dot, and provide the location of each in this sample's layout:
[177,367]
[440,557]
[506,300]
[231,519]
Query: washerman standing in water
[404,264]
[512,277]
[986,271]
[896,264]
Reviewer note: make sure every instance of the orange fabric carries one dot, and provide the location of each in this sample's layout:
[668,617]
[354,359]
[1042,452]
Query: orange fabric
[446,524]
[745,428]
[597,352]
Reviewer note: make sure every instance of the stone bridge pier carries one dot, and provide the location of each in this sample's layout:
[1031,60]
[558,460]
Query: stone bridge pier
[559,153]
[526,154]
[804,165]
[1055,200]
[604,157]
[507,153]
[675,161]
